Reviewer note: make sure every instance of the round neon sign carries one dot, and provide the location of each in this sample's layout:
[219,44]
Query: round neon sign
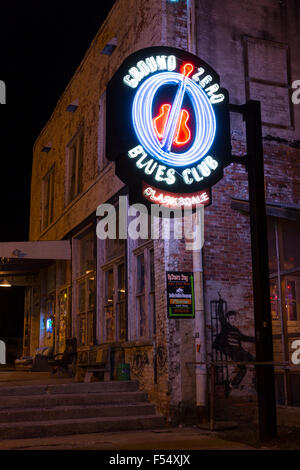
[167,122]
[205,128]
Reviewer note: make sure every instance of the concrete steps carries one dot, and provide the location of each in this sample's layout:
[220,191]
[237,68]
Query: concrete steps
[74,408]
[74,412]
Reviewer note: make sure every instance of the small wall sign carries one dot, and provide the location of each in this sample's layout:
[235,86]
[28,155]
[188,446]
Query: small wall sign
[180,294]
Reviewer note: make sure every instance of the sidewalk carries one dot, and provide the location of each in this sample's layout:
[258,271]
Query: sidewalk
[175,438]
[18,378]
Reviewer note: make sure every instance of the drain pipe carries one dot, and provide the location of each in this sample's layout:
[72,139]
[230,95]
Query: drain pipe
[200,337]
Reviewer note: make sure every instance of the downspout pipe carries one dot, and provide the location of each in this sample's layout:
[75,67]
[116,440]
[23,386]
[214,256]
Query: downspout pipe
[200,336]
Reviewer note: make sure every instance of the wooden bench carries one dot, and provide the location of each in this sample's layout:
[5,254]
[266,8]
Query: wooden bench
[102,364]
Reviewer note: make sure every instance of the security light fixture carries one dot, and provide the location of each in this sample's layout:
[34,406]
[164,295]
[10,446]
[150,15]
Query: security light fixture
[71,108]
[109,47]
[5,283]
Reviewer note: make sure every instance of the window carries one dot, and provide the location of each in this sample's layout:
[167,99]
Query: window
[291,301]
[86,289]
[145,293]
[102,160]
[140,295]
[64,318]
[121,307]
[284,266]
[75,166]
[152,292]
[274,299]
[48,198]
[50,320]
[86,304]
[109,305]
[114,305]
[114,247]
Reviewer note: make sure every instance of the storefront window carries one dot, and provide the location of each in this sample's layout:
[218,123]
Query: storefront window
[114,247]
[140,293]
[145,293]
[50,320]
[152,292]
[274,299]
[86,289]
[109,305]
[87,261]
[289,236]
[114,308]
[284,264]
[64,318]
[121,303]
[291,302]
[86,309]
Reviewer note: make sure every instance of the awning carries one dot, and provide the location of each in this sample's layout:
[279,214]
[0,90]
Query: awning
[60,249]
[30,257]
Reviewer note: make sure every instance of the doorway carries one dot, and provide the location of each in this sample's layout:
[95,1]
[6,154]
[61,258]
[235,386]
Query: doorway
[12,321]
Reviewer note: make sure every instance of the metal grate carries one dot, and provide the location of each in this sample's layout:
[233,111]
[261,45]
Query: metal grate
[218,308]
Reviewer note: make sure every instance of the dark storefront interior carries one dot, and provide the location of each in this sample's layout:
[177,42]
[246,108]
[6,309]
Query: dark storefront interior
[12,321]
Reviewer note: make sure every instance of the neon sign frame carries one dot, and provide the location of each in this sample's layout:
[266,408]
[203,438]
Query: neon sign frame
[147,81]
[143,120]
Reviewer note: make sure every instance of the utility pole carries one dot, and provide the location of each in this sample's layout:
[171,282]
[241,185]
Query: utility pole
[260,270]
[254,161]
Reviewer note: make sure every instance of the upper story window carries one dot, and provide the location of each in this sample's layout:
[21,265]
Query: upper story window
[48,198]
[101,149]
[75,166]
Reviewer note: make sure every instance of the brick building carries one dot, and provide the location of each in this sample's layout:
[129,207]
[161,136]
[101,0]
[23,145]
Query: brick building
[114,291]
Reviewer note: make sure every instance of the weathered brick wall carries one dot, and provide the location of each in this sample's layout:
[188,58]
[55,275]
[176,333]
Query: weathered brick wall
[227,248]
[221,30]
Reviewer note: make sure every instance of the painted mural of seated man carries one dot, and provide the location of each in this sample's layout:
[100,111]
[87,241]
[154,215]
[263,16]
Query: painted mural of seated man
[229,341]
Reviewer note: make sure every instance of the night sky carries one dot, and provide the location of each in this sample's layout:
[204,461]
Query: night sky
[42,44]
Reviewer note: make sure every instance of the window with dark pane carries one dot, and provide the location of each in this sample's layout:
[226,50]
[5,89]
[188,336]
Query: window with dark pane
[122,322]
[48,198]
[75,155]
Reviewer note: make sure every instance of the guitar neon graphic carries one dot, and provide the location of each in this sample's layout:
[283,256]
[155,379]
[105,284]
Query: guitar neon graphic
[170,125]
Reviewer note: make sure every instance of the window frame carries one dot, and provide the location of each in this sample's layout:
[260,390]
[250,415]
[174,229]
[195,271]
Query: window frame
[148,293]
[77,164]
[80,276]
[102,161]
[114,266]
[48,193]
[280,277]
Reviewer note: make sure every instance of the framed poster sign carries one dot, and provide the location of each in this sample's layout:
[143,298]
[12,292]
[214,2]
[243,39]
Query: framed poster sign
[180,294]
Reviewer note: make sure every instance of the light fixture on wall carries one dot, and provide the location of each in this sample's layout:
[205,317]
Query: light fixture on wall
[71,108]
[47,147]
[5,283]
[109,47]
